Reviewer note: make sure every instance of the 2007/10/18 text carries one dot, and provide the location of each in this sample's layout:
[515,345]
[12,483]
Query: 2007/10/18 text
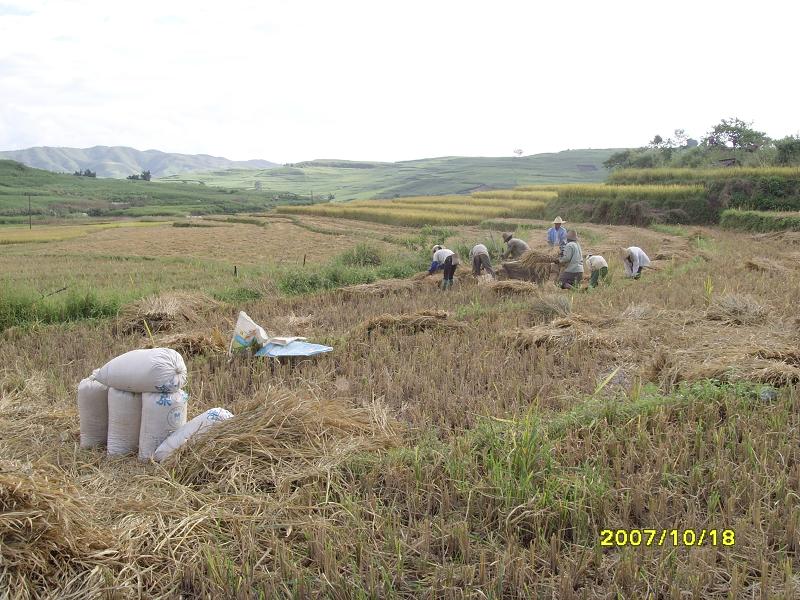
[660,537]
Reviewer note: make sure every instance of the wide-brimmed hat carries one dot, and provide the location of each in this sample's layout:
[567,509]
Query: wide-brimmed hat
[436,248]
[572,235]
[624,252]
[507,236]
[558,220]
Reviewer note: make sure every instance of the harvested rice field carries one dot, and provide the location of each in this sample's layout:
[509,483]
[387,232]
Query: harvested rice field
[639,440]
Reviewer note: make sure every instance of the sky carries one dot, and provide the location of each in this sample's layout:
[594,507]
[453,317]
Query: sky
[374,80]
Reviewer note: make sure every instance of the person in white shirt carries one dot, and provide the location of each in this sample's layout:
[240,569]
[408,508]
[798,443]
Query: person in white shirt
[634,260]
[447,260]
[598,267]
[479,257]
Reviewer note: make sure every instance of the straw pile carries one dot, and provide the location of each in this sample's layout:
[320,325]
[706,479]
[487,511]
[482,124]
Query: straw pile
[48,541]
[546,307]
[278,442]
[764,265]
[408,323]
[512,286]
[736,309]
[379,288]
[637,312]
[164,312]
[193,343]
[559,333]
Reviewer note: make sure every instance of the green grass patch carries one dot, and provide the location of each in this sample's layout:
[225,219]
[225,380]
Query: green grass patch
[760,221]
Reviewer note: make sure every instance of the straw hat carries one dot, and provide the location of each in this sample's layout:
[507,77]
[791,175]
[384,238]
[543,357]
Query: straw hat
[436,248]
[624,253]
[558,220]
[507,236]
[572,235]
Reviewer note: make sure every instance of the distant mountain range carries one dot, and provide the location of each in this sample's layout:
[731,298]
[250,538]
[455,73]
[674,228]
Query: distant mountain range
[120,161]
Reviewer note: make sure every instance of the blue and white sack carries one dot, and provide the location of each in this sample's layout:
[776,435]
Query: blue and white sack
[162,414]
[124,421]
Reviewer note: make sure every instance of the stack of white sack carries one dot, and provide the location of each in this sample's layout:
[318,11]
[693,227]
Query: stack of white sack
[137,398]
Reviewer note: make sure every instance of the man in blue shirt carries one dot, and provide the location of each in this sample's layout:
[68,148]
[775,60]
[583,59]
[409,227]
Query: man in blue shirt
[557,235]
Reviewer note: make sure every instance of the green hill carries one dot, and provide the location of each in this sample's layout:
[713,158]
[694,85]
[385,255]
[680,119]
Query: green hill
[347,180]
[59,195]
[120,161]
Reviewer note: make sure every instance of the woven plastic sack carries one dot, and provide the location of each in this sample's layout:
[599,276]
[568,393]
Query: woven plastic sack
[124,421]
[146,370]
[162,414]
[197,425]
[247,333]
[93,412]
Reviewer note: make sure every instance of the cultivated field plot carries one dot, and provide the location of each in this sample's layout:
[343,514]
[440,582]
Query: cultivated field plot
[463,444]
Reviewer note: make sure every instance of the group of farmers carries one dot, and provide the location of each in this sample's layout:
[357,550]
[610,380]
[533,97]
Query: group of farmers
[570,258]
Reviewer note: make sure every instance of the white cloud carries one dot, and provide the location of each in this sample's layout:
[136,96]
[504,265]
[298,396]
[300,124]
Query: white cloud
[289,81]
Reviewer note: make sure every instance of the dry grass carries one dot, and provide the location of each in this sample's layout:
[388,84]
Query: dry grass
[561,333]
[380,288]
[532,259]
[764,265]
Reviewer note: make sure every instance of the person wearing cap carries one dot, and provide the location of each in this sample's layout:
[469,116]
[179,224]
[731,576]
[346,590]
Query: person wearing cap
[447,260]
[598,267]
[572,261]
[557,235]
[634,260]
[515,247]
[479,256]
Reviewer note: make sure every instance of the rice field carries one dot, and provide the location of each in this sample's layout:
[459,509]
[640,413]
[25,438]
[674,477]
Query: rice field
[675,175]
[21,234]
[426,210]
[475,443]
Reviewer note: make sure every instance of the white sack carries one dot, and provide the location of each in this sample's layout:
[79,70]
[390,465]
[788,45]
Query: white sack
[197,425]
[146,370]
[162,414]
[124,420]
[93,411]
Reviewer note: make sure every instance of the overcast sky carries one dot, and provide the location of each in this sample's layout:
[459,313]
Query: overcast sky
[294,80]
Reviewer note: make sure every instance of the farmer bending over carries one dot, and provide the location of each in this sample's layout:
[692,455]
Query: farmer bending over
[598,267]
[515,247]
[447,260]
[634,260]
[479,256]
[572,260]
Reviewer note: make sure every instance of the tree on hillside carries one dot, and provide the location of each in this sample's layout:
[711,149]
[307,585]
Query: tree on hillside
[788,150]
[85,173]
[144,175]
[735,134]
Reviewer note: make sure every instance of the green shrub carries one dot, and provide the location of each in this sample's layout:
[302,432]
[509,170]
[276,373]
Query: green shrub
[363,255]
[759,221]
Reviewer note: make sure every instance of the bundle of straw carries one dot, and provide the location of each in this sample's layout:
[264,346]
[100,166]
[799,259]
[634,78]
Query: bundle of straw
[49,541]
[164,312]
[280,440]
[533,259]
[764,265]
[408,323]
[194,343]
[378,288]
[737,309]
[512,286]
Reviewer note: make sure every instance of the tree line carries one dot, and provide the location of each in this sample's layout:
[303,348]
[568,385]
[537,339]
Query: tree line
[730,142]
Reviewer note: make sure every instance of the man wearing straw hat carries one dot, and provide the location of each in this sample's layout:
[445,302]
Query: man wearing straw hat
[634,260]
[557,235]
[572,259]
[515,247]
